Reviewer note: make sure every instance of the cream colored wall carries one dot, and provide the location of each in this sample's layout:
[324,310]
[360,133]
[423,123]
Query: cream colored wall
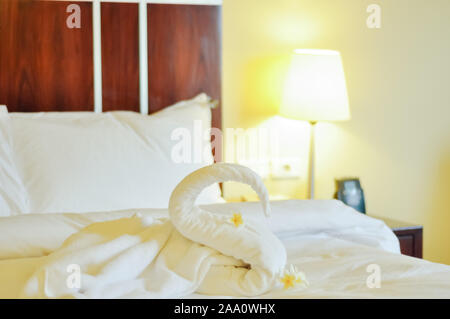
[398,140]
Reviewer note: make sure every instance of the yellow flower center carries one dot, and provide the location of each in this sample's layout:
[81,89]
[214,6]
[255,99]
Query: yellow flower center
[237,219]
[288,281]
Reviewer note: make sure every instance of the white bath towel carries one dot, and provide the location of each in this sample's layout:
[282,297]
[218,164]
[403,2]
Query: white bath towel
[195,250]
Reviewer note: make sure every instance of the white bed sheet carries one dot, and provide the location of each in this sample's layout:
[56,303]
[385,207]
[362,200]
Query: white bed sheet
[330,243]
[338,269]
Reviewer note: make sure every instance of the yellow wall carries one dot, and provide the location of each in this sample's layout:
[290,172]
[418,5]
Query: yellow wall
[398,140]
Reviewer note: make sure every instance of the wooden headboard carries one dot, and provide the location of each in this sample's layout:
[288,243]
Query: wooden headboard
[125,56]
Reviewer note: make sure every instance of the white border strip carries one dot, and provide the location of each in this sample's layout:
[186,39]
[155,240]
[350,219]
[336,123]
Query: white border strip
[97,47]
[143,58]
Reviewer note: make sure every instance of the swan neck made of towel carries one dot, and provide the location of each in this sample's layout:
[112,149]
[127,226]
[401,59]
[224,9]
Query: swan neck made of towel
[251,242]
[188,190]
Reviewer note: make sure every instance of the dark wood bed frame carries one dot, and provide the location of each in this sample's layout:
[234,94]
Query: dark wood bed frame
[45,66]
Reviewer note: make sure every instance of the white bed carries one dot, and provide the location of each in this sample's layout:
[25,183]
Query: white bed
[71,187]
[332,244]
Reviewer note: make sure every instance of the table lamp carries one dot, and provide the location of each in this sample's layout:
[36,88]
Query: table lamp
[315,90]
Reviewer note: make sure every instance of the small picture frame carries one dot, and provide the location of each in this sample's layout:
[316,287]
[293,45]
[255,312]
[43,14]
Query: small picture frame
[350,192]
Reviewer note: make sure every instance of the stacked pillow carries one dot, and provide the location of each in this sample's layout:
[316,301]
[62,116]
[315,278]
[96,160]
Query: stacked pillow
[88,162]
[13,196]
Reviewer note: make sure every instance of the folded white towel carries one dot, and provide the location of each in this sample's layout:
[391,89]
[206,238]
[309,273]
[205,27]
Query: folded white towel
[193,251]
[252,243]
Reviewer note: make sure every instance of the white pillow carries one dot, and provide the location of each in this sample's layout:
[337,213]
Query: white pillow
[13,197]
[87,162]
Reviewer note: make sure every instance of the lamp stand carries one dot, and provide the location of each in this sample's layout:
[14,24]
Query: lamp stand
[311,161]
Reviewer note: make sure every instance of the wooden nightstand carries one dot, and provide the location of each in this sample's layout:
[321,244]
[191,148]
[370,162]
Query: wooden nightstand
[409,235]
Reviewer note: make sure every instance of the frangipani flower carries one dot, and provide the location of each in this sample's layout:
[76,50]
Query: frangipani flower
[292,277]
[237,220]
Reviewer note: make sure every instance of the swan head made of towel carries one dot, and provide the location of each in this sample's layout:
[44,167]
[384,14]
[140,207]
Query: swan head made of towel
[254,244]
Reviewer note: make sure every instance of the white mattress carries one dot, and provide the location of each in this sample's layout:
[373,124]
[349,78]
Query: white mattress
[332,246]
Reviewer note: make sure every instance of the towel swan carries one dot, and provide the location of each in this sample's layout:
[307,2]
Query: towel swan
[253,244]
[196,250]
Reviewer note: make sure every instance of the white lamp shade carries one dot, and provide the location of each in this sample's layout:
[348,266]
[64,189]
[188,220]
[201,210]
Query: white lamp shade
[315,88]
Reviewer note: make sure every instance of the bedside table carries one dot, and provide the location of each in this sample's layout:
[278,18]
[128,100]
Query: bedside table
[409,235]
